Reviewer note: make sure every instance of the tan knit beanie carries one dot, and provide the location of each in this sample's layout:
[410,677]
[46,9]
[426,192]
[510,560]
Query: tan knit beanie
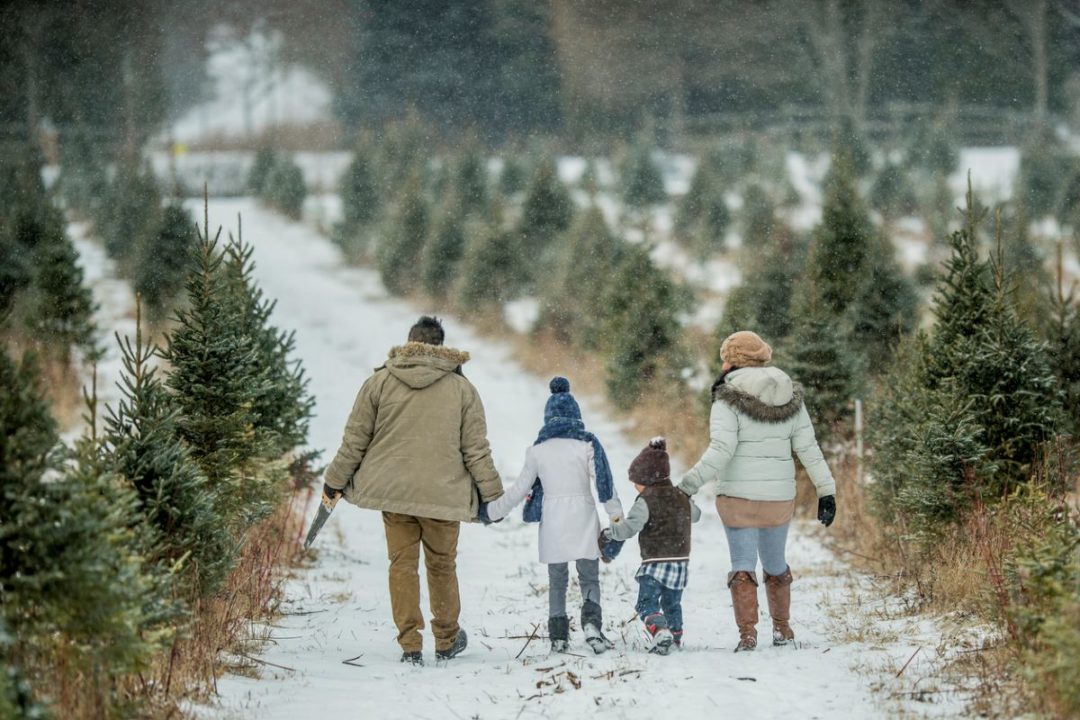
[745,349]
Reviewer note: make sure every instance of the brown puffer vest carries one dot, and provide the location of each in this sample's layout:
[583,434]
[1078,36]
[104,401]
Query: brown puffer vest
[666,536]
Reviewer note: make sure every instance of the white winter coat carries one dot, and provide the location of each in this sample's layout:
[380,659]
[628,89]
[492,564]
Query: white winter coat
[758,420]
[569,525]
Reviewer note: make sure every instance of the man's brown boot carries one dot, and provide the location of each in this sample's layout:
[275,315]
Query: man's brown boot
[778,592]
[743,586]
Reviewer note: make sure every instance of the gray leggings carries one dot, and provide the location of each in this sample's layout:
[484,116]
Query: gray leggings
[746,544]
[588,572]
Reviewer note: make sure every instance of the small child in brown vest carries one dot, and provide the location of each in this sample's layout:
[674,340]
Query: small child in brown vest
[662,514]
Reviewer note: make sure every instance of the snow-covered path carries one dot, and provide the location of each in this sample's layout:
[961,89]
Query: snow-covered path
[339,608]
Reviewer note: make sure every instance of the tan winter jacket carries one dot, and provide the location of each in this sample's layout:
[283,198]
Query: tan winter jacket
[416,440]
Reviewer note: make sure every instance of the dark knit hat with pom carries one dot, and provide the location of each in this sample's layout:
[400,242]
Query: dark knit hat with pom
[651,466]
[561,404]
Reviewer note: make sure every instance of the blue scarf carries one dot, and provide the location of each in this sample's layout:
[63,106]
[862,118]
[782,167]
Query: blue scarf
[571,429]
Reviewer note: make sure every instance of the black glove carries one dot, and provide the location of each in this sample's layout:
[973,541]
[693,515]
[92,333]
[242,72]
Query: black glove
[330,492]
[826,509]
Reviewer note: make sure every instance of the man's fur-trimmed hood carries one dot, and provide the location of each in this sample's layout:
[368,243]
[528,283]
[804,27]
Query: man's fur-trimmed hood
[419,364]
[765,394]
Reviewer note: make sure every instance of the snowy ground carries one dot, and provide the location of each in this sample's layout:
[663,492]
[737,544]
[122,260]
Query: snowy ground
[338,609]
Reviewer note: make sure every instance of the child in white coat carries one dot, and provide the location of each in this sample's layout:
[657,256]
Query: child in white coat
[561,470]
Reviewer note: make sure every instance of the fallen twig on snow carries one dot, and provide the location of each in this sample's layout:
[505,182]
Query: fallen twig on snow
[909,661]
[265,662]
[532,637]
[350,661]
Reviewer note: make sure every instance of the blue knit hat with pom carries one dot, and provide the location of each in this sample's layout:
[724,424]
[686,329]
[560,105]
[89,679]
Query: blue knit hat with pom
[561,404]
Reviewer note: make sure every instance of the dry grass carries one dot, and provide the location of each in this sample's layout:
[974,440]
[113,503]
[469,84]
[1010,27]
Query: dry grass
[228,623]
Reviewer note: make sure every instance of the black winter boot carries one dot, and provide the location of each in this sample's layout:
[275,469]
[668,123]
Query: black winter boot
[559,633]
[460,643]
[592,623]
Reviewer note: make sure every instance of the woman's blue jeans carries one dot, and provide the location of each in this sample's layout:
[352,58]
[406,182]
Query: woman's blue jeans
[747,544]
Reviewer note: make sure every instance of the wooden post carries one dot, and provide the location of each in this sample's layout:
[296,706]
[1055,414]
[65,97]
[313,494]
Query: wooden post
[858,441]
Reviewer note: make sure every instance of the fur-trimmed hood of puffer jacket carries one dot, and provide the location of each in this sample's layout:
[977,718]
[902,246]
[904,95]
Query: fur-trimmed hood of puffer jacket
[419,364]
[765,394]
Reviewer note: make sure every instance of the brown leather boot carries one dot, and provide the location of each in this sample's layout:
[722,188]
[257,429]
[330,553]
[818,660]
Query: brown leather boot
[743,586]
[778,592]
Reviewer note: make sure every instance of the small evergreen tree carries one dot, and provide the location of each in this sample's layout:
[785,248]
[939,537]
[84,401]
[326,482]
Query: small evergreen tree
[359,195]
[640,327]
[981,399]
[175,498]
[63,308]
[513,177]
[572,299]
[763,302]
[444,253]
[83,183]
[470,182]
[842,239]
[892,194]
[282,406]
[821,359]
[643,185]
[284,188]
[491,270]
[265,162]
[130,214]
[15,271]
[71,583]
[547,211]
[162,261]
[758,217]
[886,307]
[216,380]
[400,252]
[703,215]
[1060,328]
[1044,170]
[932,150]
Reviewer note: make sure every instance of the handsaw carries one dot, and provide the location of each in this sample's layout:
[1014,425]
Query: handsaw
[330,498]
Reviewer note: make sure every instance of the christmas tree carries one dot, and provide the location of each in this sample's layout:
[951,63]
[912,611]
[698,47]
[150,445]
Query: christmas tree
[892,194]
[841,241]
[216,380]
[491,270]
[443,255]
[470,181]
[400,252]
[130,214]
[980,390]
[547,211]
[284,188]
[1060,328]
[571,299]
[703,215]
[640,327]
[821,359]
[72,584]
[174,496]
[282,406]
[758,217]
[162,261]
[886,307]
[265,162]
[359,195]
[762,302]
[643,185]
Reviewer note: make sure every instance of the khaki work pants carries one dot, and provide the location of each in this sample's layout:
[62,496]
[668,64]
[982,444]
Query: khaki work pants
[404,536]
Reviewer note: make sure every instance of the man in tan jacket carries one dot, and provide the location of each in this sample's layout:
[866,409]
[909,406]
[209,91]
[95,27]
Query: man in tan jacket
[416,448]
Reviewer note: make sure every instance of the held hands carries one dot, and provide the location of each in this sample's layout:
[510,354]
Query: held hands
[609,548]
[482,515]
[826,509]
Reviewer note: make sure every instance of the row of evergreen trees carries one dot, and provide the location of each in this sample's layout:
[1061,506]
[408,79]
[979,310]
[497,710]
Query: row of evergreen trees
[109,546]
[452,233]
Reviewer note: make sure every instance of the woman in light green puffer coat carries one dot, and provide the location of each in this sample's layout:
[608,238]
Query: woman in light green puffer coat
[758,421]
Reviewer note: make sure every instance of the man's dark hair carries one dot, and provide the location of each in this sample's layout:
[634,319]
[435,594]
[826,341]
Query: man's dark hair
[427,330]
